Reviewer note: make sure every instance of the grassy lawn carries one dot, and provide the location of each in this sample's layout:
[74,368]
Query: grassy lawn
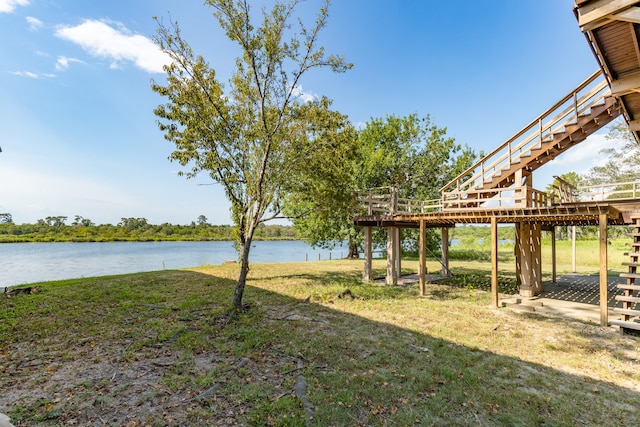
[160,349]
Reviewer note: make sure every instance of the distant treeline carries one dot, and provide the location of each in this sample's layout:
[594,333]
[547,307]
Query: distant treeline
[54,229]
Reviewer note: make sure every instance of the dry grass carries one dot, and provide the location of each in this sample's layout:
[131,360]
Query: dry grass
[160,349]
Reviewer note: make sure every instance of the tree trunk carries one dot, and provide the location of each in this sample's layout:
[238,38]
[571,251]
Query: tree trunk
[245,248]
[353,251]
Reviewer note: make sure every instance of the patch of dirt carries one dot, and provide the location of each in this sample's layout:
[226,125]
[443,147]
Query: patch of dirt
[100,386]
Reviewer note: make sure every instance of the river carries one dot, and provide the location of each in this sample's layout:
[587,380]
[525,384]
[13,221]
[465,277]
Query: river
[22,263]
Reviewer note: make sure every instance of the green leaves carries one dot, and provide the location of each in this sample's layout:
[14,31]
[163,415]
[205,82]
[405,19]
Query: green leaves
[409,152]
[255,136]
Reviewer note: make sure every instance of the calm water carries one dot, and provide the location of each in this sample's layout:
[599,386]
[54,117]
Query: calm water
[36,262]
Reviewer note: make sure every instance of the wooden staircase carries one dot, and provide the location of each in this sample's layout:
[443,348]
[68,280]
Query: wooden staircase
[570,121]
[630,292]
[557,143]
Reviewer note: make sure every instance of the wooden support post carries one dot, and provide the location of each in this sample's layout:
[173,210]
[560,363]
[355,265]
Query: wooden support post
[444,271]
[422,267]
[368,256]
[536,258]
[517,250]
[573,248]
[604,294]
[529,259]
[553,254]
[524,248]
[392,275]
[398,251]
[494,261]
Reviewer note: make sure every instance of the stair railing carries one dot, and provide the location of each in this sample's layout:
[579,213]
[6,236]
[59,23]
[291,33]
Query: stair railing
[608,191]
[588,94]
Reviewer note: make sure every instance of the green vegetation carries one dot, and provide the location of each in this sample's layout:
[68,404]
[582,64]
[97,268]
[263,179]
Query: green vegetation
[163,349]
[410,153]
[138,230]
[257,135]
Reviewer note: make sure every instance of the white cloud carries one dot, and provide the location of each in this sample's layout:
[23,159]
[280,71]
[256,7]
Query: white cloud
[586,154]
[305,96]
[32,75]
[579,159]
[7,6]
[116,43]
[63,62]
[34,23]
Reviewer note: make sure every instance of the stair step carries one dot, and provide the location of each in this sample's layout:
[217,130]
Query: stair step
[627,311]
[626,325]
[629,287]
[627,299]
[630,275]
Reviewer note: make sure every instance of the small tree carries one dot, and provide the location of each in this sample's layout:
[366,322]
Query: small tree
[202,221]
[6,218]
[256,137]
[55,221]
[80,221]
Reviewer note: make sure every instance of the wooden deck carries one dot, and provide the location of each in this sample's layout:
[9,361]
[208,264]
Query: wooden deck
[387,210]
[498,188]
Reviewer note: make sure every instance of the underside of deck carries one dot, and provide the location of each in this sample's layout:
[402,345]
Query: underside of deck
[582,213]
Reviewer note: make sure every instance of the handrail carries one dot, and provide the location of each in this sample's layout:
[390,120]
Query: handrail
[578,105]
[376,201]
[608,191]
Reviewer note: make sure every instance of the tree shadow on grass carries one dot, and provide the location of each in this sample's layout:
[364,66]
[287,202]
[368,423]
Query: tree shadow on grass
[148,350]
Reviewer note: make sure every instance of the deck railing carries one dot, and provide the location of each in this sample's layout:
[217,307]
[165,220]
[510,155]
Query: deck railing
[385,200]
[501,198]
[620,190]
[564,192]
[590,93]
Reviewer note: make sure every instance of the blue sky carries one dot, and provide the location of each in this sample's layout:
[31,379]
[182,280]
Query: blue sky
[79,136]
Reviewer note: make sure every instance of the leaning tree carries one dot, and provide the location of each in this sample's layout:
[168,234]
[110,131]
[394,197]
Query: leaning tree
[255,135]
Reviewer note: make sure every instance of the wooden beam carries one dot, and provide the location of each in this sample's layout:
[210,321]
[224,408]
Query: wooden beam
[634,125]
[535,236]
[392,275]
[494,262]
[631,15]
[444,271]
[626,85]
[368,256]
[518,254]
[422,267]
[398,251]
[632,31]
[553,254]
[573,249]
[604,295]
[598,12]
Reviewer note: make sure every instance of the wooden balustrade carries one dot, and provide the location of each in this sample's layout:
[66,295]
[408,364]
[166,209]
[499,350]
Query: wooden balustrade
[385,200]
